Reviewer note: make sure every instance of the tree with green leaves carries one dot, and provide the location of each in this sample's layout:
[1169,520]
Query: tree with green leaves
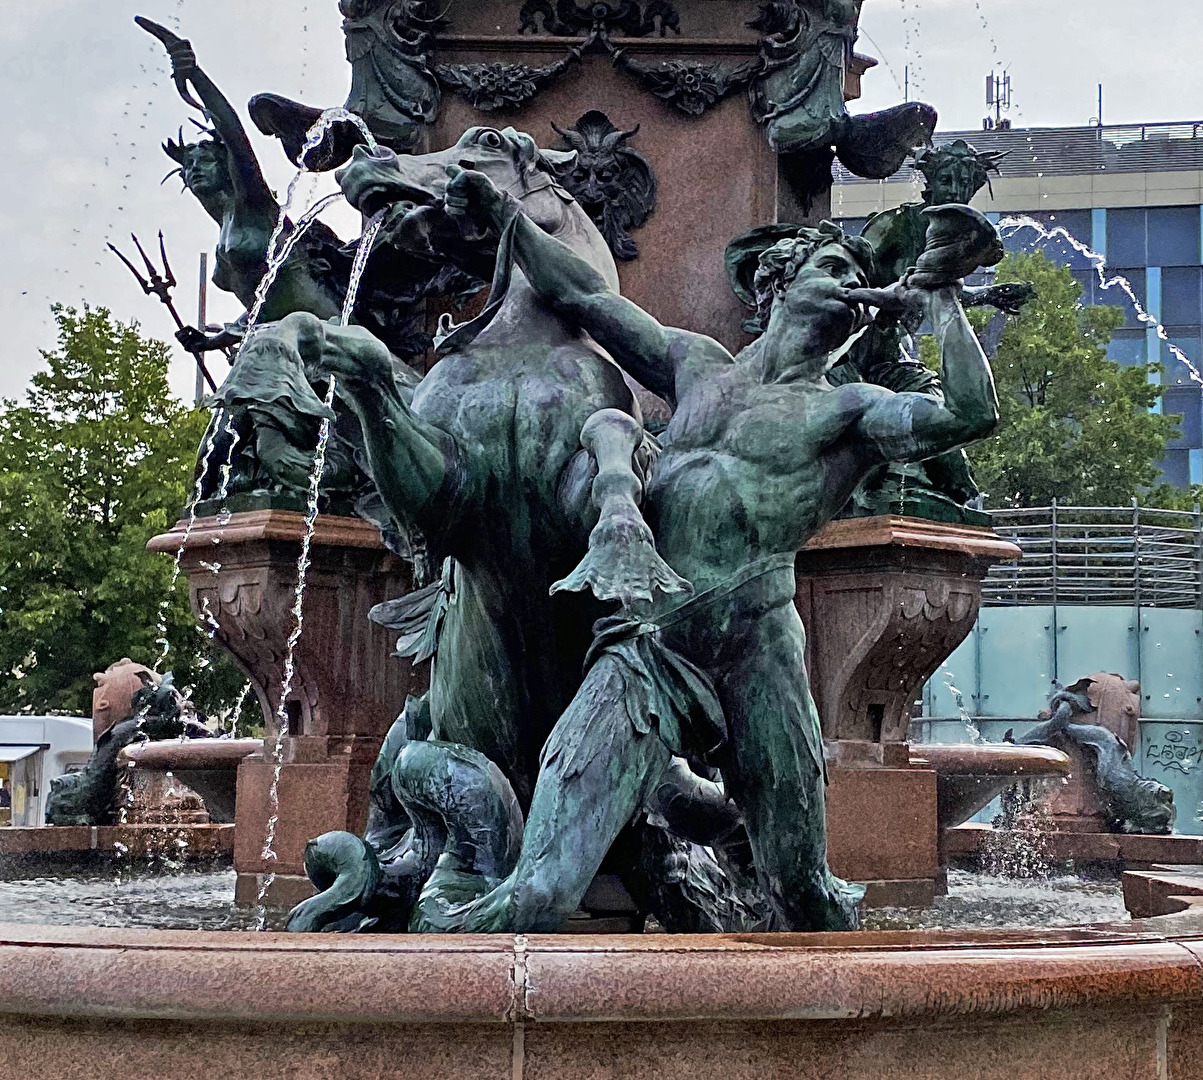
[96,461]
[1074,425]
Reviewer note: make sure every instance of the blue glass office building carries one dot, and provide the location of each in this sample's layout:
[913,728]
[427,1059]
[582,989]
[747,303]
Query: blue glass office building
[1133,195]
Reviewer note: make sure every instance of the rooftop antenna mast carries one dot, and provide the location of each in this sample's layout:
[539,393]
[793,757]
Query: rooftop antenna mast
[998,99]
[1098,120]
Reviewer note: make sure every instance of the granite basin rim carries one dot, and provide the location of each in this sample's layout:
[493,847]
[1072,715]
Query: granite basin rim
[190,754]
[420,979]
[248,526]
[991,759]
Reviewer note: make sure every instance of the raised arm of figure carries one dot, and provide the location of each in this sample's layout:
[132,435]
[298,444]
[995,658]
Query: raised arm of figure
[911,427]
[662,358]
[251,190]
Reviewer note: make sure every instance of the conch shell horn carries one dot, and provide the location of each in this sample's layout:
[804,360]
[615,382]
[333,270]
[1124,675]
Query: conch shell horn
[170,40]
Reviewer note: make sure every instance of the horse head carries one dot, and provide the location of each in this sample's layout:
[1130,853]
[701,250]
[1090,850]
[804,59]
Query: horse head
[410,189]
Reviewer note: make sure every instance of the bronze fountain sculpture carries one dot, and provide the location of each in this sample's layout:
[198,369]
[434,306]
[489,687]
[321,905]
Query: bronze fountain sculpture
[518,477]
[649,669]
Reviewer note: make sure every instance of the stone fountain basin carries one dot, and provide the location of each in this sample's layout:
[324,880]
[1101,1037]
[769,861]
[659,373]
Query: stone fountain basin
[970,776]
[208,766]
[1087,1003]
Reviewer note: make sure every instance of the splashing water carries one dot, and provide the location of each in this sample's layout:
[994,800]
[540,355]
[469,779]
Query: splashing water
[236,711]
[213,626]
[276,256]
[279,256]
[978,901]
[336,116]
[277,252]
[268,853]
[958,698]
[1016,848]
[125,785]
[202,473]
[227,474]
[362,254]
[315,479]
[912,44]
[1009,226]
[977,4]
[275,263]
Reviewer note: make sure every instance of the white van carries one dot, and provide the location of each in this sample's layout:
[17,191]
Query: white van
[33,751]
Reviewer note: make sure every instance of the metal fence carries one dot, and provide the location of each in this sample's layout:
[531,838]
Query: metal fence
[1099,556]
[1075,151]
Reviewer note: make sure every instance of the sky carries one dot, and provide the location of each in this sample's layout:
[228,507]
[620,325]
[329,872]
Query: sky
[87,101]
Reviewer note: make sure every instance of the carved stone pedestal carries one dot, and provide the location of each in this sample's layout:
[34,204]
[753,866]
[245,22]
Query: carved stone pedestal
[347,688]
[885,601]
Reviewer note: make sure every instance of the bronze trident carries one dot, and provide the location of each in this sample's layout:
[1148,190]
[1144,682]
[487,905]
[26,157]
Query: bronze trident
[160,285]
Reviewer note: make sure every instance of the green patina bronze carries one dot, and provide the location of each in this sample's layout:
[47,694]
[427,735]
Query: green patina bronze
[481,463]
[940,488]
[703,663]
[798,95]
[223,174]
[91,795]
[617,679]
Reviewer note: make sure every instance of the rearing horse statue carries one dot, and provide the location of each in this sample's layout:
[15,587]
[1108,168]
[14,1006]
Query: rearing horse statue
[482,459]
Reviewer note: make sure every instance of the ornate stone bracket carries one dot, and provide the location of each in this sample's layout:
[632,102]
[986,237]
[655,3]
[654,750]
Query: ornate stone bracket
[885,601]
[347,687]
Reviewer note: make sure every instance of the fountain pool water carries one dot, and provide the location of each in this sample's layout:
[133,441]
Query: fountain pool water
[146,896]
[985,902]
[201,899]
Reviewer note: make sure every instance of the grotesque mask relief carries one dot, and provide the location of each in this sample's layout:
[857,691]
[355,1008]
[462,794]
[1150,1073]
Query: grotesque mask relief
[614,184]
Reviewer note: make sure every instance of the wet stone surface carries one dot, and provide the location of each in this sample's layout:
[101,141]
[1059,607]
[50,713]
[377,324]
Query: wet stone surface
[982,902]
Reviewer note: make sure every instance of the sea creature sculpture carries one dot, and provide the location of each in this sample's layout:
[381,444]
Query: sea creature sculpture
[1132,803]
[158,711]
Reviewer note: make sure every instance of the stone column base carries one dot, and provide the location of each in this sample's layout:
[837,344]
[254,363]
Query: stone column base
[881,830]
[316,798]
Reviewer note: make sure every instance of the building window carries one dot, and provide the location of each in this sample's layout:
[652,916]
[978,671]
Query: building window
[1176,467]
[1182,295]
[1187,340]
[1129,347]
[1117,296]
[1127,243]
[1074,222]
[1087,279]
[1173,236]
[1184,402]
